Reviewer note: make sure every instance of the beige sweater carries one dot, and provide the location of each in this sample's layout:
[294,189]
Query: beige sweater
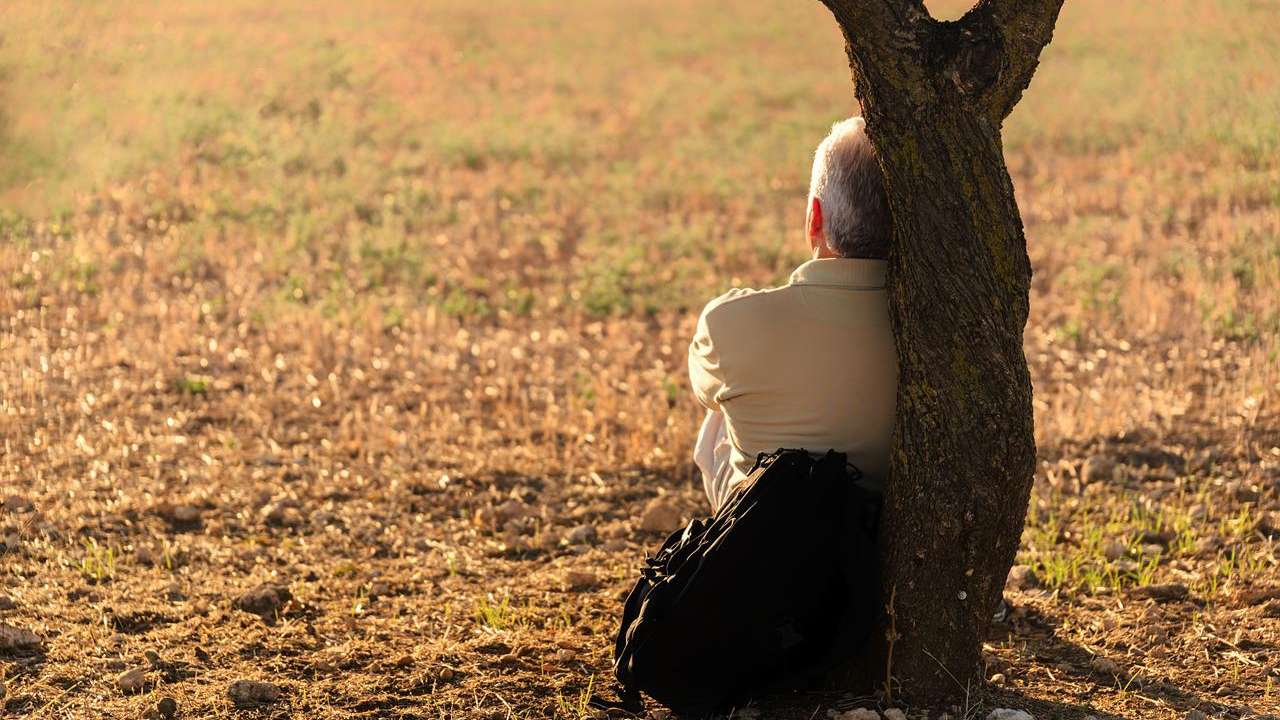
[807,365]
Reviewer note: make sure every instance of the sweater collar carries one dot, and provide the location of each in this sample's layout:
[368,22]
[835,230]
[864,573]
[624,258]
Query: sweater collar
[852,273]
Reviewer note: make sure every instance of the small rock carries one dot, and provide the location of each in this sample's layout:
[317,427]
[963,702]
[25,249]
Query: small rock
[1161,593]
[132,681]
[659,516]
[1243,493]
[894,714]
[168,708]
[13,639]
[1114,550]
[1106,666]
[581,535]
[1164,538]
[1097,469]
[380,589]
[251,693]
[1022,577]
[7,603]
[264,600]
[181,515]
[144,556]
[578,579]
[1007,714]
[511,510]
[281,516]
[446,674]
[174,591]
[998,679]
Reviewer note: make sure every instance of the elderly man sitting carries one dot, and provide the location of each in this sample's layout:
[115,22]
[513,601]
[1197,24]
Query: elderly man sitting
[810,364]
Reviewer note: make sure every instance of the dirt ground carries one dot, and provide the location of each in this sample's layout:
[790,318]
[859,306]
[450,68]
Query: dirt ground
[319,370]
[428,571]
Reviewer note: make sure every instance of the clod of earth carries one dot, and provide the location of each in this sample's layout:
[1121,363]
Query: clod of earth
[854,714]
[264,600]
[281,515]
[180,516]
[144,556]
[1257,596]
[173,591]
[578,579]
[1167,592]
[251,693]
[659,516]
[1244,493]
[1022,577]
[17,504]
[1106,666]
[13,639]
[1097,469]
[582,535]
[7,603]
[511,510]
[132,681]
[1114,550]
[1008,714]
[167,707]
[1269,524]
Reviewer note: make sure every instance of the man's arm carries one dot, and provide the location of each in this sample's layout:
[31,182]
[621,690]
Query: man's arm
[705,371]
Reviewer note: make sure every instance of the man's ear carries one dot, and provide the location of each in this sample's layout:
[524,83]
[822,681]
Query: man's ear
[815,217]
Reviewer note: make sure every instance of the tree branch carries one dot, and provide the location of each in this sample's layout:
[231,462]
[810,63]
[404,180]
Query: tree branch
[883,39]
[1024,27]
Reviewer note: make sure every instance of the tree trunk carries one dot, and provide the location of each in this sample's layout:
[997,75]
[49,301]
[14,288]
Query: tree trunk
[934,95]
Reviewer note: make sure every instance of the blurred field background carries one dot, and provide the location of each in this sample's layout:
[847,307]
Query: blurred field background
[386,303]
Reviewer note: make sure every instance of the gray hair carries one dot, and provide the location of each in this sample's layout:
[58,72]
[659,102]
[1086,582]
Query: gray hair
[848,182]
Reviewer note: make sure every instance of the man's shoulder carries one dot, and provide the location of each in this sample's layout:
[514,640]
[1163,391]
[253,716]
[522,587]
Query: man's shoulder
[742,305]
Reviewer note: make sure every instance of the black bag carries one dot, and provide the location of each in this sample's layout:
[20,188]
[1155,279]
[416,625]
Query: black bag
[759,595]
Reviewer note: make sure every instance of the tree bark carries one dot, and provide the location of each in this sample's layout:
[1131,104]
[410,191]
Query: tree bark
[934,95]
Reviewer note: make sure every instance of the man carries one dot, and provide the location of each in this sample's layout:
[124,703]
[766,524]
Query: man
[810,364]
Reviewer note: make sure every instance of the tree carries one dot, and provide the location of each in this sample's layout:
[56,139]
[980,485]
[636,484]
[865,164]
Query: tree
[934,95]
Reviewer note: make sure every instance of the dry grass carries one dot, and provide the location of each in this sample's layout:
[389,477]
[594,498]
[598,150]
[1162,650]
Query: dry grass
[310,294]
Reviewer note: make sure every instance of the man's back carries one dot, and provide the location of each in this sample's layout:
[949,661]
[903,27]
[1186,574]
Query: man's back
[807,365]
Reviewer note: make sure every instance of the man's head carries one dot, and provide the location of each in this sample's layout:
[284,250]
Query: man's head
[848,210]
